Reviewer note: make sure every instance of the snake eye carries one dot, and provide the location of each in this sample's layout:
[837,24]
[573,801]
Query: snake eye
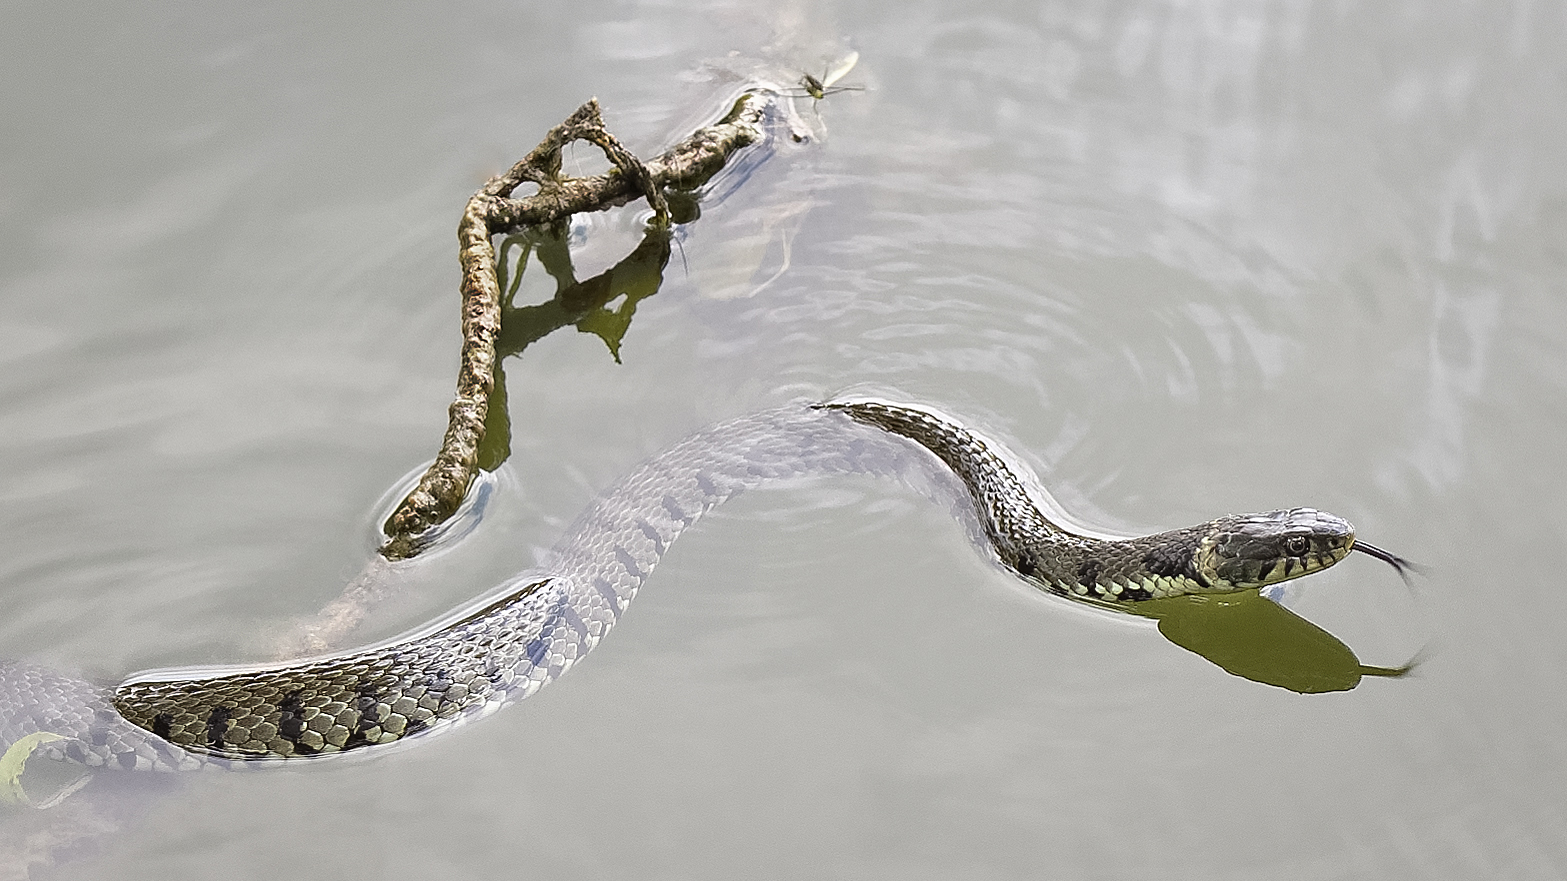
[1295,545]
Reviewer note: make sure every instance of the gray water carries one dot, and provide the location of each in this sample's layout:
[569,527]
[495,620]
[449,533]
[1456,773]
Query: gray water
[1185,259]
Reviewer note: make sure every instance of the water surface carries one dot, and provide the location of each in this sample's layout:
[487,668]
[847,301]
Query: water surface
[1185,260]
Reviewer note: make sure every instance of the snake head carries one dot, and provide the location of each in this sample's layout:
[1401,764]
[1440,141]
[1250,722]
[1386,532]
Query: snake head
[1256,550]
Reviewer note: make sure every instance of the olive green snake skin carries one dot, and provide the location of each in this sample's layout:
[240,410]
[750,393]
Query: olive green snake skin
[533,628]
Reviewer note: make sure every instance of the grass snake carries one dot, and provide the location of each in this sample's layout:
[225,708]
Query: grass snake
[531,629]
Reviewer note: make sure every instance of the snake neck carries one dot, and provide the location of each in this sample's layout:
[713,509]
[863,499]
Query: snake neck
[1010,519]
[1028,542]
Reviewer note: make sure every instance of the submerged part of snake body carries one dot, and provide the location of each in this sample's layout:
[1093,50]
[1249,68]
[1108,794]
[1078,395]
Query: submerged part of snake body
[532,629]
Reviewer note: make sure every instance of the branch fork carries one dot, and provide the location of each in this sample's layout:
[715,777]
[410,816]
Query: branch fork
[493,211]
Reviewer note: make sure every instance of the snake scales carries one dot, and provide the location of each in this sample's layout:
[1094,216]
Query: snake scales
[533,628]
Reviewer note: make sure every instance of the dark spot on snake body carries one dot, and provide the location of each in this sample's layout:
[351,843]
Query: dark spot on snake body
[365,704]
[1134,593]
[1088,573]
[437,682]
[705,485]
[629,564]
[537,651]
[217,726]
[1026,566]
[1267,569]
[1195,575]
[75,753]
[570,616]
[98,736]
[161,725]
[415,726]
[672,505]
[652,536]
[609,595]
[1168,560]
[127,761]
[492,672]
[290,724]
[370,716]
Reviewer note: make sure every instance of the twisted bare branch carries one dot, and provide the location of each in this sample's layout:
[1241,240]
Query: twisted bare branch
[492,211]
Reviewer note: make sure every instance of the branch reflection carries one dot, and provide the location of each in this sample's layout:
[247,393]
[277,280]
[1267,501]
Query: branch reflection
[585,305]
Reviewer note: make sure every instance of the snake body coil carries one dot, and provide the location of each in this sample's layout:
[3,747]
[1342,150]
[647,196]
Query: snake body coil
[536,626]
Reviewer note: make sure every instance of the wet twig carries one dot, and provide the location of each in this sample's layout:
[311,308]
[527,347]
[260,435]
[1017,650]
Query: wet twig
[493,211]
